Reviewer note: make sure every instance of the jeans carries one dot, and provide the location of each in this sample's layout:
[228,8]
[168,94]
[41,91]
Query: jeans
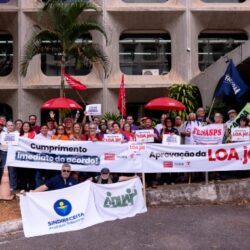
[12,170]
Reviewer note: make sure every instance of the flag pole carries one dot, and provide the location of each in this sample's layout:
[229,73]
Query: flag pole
[81,97]
[144,187]
[211,107]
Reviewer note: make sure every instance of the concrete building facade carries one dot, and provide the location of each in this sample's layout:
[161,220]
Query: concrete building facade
[177,26]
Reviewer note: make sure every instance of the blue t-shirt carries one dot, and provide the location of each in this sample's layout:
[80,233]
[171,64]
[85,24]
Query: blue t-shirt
[58,182]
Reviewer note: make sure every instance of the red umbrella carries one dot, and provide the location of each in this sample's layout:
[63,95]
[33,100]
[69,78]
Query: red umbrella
[164,103]
[60,103]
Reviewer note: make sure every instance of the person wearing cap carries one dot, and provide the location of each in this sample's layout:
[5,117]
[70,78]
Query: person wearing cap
[106,178]
[60,181]
[232,115]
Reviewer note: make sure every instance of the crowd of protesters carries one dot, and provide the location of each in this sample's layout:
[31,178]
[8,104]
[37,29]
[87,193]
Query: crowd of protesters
[94,129]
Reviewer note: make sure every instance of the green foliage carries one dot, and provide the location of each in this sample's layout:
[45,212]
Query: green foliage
[112,116]
[187,94]
[220,106]
[61,30]
[65,113]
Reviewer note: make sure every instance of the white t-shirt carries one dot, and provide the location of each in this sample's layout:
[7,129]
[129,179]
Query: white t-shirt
[42,137]
[159,127]
[186,127]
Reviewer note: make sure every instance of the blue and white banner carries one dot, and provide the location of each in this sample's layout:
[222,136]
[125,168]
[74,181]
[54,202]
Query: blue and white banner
[80,206]
[130,157]
[82,156]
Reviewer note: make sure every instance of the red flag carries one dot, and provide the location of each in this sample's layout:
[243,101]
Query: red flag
[73,83]
[121,102]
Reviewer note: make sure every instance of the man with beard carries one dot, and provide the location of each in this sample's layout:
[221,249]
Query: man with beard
[32,121]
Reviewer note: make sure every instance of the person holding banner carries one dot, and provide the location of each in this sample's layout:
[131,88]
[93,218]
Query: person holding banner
[106,178]
[32,122]
[127,132]
[103,130]
[18,125]
[159,127]
[60,181]
[42,174]
[51,126]
[27,131]
[110,128]
[232,115]
[201,116]
[26,176]
[241,132]
[92,135]
[186,128]
[122,122]
[243,122]
[76,134]
[130,121]
[168,128]
[68,124]
[7,138]
[117,130]
[60,134]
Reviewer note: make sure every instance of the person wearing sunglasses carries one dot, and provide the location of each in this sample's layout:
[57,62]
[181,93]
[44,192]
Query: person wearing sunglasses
[60,181]
[60,134]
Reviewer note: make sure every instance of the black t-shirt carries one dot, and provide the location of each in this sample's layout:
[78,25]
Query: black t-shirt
[114,179]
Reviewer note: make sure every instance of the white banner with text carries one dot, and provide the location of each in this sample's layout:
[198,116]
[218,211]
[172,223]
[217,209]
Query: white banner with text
[81,155]
[131,157]
[80,206]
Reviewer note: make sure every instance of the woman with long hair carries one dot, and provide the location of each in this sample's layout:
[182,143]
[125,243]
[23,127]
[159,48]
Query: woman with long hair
[27,131]
[127,132]
[76,134]
[60,133]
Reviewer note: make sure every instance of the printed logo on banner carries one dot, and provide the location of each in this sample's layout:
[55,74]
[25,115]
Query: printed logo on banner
[62,207]
[167,164]
[109,156]
[179,164]
[124,200]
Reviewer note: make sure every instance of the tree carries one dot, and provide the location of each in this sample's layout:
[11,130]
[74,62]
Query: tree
[63,26]
[187,94]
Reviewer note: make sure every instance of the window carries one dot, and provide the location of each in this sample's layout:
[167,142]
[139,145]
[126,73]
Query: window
[145,1]
[66,1]
[51,63]
[6,54]
[212,46]
[145,54]
[223,1]
[6,110]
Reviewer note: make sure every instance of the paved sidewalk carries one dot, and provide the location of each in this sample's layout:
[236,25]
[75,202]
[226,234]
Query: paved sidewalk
[161,228]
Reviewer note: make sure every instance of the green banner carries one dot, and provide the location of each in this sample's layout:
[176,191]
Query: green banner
[245,111]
